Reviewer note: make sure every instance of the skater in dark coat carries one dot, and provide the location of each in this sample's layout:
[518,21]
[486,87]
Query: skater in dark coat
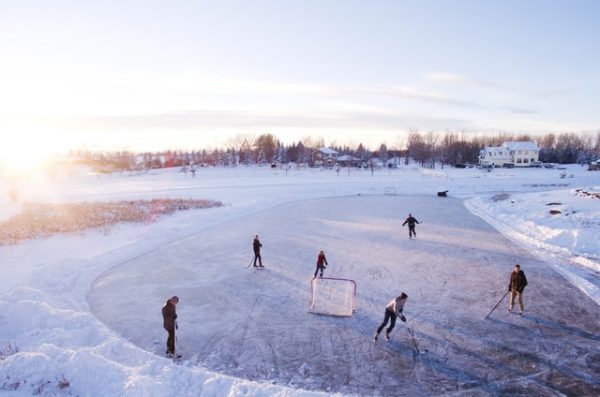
[392,310]
[321,262]
[169,314]
[516,285]
[411,225]
[256,246]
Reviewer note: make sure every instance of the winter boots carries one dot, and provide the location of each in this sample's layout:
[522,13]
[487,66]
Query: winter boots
[173,355]
[387,336]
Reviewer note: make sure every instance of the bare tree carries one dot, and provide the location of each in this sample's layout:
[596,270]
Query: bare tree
[417,148]
[449,148]
[383,153]
[431,144]
[265,145]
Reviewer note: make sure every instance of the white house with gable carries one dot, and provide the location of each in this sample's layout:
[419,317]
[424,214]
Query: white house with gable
[326,157]
[511,154]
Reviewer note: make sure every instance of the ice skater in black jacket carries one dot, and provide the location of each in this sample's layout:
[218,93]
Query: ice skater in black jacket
[256,246]
[169,313]
[411,225]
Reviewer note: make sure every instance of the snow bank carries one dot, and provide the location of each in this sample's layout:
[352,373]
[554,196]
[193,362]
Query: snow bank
[59,351]
[562,227]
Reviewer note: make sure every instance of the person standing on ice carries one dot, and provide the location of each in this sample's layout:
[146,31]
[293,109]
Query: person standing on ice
[321,262]
[169,314]
[392,310]
[516,285]
[256,246]
[411,225]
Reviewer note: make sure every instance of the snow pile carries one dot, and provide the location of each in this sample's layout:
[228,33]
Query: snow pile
[561,226]
[58,351]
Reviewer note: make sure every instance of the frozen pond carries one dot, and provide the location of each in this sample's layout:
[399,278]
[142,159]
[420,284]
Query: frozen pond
[255,324]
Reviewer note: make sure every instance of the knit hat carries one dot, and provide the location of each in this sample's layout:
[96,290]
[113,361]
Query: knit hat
[174,298]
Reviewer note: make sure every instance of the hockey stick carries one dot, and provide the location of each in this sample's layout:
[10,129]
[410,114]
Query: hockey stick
[413,340]
[250,262]
[176,356]
[497,304]
[175,339]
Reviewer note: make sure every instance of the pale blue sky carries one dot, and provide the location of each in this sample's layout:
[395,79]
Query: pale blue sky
[146,75]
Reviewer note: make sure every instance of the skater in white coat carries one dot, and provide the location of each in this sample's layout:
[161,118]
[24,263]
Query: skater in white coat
[392,310]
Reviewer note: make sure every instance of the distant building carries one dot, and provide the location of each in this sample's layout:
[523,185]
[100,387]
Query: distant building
[394,162]
[326,157]
[510,154]
[348,160]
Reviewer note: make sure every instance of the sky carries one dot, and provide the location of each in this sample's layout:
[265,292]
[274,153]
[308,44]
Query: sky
[154,75]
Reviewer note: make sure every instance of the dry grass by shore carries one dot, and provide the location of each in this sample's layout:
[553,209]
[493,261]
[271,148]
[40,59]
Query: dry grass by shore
[38,220]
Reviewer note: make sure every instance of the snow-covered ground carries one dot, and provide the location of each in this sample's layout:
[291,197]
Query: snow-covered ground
[85,308]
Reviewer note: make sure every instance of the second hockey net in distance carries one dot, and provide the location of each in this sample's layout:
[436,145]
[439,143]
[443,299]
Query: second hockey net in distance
[333,296]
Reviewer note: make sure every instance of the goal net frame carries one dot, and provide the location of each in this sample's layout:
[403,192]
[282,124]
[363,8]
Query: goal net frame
[325,301]
[390,191]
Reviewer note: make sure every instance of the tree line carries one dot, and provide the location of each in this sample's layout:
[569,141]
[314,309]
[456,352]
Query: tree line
[433,148]
[428,149]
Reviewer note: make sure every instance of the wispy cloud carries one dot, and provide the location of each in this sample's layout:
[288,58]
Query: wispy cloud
[206,120]
[520,110]
[444,77]
[245,87]
[453,78]
[411,93]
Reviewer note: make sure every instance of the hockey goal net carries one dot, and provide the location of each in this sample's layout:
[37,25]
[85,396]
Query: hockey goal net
[333,296]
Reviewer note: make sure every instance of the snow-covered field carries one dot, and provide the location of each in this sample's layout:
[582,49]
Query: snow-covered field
[80,314]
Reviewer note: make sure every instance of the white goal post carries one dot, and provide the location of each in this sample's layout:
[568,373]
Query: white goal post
[333,296]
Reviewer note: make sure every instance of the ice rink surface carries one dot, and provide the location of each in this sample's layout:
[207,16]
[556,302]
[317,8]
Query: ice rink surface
[255,324]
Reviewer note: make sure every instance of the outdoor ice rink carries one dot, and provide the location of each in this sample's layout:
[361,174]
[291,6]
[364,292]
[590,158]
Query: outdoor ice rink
[255,324]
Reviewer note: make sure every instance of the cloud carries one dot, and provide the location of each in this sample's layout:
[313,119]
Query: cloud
[520,110]
[412,93]
[452,78]
[444,77]
[243,120]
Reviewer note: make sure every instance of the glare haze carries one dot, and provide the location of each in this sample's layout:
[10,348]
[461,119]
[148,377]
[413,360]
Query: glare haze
[146,75]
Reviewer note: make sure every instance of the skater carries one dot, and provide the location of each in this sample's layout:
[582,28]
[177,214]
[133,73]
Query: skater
[516,285]
[392,310]
[321,262]
[411,225]
[169,314]
[256,246]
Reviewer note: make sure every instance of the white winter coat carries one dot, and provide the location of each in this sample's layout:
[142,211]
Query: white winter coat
[396,305]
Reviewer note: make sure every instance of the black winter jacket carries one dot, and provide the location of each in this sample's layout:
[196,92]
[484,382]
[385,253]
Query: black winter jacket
[518,281]
[169,316]
[256,245]
[411,220]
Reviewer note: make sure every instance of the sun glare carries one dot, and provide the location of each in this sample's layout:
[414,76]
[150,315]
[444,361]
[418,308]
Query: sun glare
[21,158]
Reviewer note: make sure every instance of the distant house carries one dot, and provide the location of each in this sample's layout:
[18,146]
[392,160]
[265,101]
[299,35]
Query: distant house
[348,160]
[394,162]
[326,157]
[510,154]
[376,162]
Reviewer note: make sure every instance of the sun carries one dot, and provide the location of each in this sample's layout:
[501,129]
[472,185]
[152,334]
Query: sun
[23,156]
